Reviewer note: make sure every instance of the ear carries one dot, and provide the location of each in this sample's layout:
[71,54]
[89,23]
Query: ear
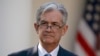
[36,27]
[64,30]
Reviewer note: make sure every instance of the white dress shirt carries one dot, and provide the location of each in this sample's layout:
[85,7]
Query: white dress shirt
[42,51]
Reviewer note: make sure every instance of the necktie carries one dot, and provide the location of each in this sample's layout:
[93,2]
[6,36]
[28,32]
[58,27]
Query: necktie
[47,54]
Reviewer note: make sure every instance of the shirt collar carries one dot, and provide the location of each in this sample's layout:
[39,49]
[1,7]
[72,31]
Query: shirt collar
[42,51]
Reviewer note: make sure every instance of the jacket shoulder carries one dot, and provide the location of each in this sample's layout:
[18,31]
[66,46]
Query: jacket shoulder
[21,53]
[66,52]
[69,53]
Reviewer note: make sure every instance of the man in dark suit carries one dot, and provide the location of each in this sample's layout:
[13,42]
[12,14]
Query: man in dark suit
[50,26]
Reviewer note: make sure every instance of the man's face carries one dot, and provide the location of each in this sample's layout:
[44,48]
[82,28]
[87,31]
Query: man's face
[50,27]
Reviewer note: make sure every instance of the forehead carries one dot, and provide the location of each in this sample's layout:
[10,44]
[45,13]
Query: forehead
[52,16]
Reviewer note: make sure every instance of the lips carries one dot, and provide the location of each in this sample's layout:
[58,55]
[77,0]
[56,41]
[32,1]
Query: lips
[48,35]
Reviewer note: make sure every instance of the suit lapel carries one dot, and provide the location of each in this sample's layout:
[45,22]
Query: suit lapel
[60,51]
[33,51]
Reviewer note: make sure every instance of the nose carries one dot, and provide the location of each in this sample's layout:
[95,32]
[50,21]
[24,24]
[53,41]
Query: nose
[49,28]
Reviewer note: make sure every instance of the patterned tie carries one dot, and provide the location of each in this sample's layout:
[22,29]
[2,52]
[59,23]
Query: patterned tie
[47,54]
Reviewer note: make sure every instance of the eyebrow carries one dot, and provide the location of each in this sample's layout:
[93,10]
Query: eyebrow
[47,21]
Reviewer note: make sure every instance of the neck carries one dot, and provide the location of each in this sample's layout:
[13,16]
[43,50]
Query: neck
[49,47]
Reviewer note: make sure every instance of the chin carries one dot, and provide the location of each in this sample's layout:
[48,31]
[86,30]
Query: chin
[48,41]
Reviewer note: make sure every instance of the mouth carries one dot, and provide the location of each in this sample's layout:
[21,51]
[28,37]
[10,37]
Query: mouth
[48,38]
[48,35]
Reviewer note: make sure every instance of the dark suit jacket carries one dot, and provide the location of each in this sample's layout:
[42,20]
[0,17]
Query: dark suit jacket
[34,52]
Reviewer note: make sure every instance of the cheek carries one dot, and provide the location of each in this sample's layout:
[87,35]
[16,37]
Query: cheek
[57,37]
[40,32]
[58,34]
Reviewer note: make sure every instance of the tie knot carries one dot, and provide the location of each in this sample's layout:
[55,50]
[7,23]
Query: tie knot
[47,54]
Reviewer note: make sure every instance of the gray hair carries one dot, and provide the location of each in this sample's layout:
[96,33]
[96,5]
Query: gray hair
[52,6]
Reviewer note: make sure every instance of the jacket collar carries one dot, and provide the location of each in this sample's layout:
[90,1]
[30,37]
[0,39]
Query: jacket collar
[33,51]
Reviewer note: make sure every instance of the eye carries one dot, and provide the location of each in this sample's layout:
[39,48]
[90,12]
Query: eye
[43,23]
[55,24]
